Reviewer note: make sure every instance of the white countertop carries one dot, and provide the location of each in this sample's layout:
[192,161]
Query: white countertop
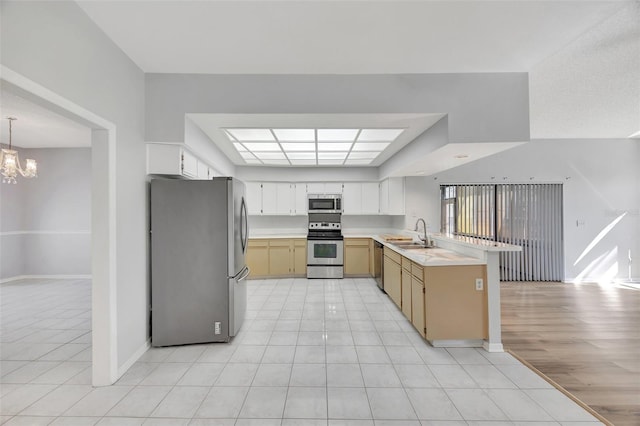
[478,243]
[435,256]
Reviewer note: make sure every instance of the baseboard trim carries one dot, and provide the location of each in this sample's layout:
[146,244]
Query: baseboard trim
[45,277]
[456,343]
[133,358]
[561,389]
[492,347]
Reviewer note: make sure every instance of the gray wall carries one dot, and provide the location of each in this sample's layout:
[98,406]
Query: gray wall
[600,182]
[56,45]
[46,221]
[488,107]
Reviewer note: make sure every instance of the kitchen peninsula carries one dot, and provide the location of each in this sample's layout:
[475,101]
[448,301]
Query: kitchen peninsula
[450,293]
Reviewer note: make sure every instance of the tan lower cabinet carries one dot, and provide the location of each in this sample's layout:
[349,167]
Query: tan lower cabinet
[393,276]
[441,302]
[417,306]
[406,293]
[258,258]
[357,257]
[454,309]
[277,257]
[300,257]
[280,255]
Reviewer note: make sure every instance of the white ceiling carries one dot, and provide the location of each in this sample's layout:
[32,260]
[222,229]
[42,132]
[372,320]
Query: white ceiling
[343,37]
[322,36]
[37,126]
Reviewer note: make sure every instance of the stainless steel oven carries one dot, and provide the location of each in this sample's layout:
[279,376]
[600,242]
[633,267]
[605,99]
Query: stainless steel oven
[325,246]
[325,258]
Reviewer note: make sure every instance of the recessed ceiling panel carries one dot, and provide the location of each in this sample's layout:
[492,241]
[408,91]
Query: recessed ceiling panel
[337,135]
[322,133]
[270,155]
[298,146]
[301,155]
[332,155]
[370,146]
[379,135]
[262,146]
[250,135]
[295,135]
[363,155]
[325,146]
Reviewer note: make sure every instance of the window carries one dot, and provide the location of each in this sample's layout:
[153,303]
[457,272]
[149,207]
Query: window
[522,214]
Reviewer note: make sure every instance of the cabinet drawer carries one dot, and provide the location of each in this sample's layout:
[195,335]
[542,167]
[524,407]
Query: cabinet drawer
[284,242]
[406,263]
[417,271]
[392,255]
[356,241]
[258,243]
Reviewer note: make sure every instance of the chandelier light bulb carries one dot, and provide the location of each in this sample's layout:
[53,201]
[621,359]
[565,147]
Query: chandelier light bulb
[10,163]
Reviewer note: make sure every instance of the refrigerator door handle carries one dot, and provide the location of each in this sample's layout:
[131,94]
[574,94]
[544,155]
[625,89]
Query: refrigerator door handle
[247,271]
[244,228]
[244,273]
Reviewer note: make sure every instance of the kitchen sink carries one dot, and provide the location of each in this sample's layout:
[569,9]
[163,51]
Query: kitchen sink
[410,246]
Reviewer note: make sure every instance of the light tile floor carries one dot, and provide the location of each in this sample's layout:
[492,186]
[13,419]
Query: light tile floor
[311,352]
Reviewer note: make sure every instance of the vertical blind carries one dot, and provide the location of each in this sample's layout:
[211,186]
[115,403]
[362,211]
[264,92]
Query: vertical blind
[527,215]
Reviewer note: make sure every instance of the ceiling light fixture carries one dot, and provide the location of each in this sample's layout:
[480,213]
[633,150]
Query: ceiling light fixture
[10,163]
[310,146]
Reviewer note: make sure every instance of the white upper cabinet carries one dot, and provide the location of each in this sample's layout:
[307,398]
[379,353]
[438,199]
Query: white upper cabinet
[361,198]
[271,198]
[392,196]
[352,198]
[324,188]
[358,198]
[300,199]
[370,198]
[254,198]
[175,160]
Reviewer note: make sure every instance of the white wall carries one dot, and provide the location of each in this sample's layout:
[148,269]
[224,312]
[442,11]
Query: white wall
[486,107]
[48,217]
[196,139]
[600,178]
[57,46]
[591,88]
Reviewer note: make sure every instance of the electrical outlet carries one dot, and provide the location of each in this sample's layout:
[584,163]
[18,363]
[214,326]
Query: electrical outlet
[217,327]
[479,284]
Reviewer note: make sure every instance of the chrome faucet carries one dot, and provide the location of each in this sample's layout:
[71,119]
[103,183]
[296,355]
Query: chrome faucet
[425,240]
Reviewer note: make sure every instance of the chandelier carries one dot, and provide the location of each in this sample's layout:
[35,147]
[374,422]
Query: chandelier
[10,163]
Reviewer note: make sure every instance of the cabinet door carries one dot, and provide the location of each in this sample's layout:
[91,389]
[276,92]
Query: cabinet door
[284,198]
[269,198]
[258,258]
[333,188]
[254,198]
[417,306]
[370,198]
[356,256]
[406,293]
[315,188]
[189,164]
[396,196]
[202,171]
[280,257]
[352,198]
[384,197]
[392,279]
[300,199]
[300,257]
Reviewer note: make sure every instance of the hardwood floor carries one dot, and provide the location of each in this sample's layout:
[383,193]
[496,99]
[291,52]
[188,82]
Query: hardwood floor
[585,337]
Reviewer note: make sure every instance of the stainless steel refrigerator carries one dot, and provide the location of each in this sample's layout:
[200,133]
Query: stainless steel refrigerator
[199,235]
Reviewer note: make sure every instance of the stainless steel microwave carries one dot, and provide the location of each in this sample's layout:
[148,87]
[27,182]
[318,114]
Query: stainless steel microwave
[324,203]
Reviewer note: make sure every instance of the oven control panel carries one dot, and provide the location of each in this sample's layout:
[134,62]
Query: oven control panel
[325,225]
